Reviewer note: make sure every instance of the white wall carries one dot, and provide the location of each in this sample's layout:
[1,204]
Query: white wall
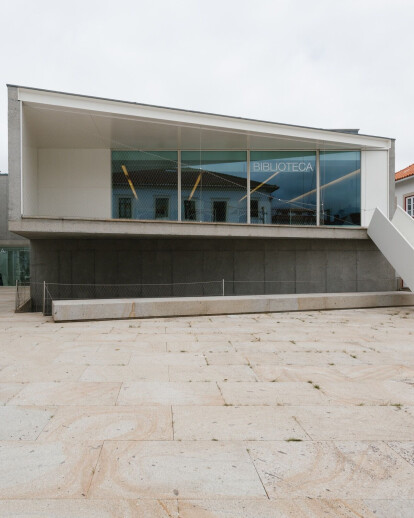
[74,183]
[403,188]
[374,184]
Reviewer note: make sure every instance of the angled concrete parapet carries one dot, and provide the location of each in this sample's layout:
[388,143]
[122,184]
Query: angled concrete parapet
[395,239]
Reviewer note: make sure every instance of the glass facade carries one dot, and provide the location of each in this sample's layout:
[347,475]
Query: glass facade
[284,185]
[213,186]
[144,185]
[340,188]
[14,265]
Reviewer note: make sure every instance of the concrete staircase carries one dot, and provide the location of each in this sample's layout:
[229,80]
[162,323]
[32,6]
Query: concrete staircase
[395,239]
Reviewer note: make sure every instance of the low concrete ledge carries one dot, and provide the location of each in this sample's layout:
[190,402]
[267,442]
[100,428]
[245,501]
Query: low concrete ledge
[36,227]
[104,309]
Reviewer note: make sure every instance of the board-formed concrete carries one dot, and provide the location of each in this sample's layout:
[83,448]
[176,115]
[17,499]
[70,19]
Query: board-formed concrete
[104,309]
[135,268]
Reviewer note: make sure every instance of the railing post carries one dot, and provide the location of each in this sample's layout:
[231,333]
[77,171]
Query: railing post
[223,288]
[318,188]
[248,187]
[44,296]
[16,302]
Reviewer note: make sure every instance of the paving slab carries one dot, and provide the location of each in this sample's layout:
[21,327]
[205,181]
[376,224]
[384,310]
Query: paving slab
[126,373]
[46,470]
[169,393]
[175,470]
[137,347]
[227,423]
[404,449]
[285,508]
[23,423]
[67,393]
[8,390]
[329,469]
[368,393]
[292,373]
[83,508]
[200,346]
[213,373]
[25,371]
[363,423]
[272,394]
[225,358]
[191,360]
[377,372]
[86,424]
[94,358]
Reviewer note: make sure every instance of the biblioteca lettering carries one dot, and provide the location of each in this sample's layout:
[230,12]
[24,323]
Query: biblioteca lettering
[280,167]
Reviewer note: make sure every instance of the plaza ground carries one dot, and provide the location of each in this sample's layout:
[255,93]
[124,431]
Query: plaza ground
[304,414]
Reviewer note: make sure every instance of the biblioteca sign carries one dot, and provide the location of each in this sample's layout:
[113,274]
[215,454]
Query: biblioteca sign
[280,167]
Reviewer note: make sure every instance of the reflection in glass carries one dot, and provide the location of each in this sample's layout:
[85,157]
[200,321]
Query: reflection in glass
[214,186]
[144,185]
[14,265]
[283,187]
[340,187]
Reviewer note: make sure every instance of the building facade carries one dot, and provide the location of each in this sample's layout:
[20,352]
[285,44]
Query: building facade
[112,192]
[14,250]
[404,189]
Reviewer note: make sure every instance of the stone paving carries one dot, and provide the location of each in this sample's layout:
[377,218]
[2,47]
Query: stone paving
[250,416]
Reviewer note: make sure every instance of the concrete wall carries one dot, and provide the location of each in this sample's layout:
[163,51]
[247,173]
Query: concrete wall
[404,188]
[15,156]
[74,182]
[287,266]
[375,184]
[7,238]
[64,182]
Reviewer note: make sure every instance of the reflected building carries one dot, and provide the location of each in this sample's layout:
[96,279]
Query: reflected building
[214,186]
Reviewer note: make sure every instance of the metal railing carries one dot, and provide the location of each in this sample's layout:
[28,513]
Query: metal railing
[49,292]
[22,300]
[38,297]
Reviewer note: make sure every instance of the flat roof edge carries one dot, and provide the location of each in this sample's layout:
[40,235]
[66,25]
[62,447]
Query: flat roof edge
[134,103]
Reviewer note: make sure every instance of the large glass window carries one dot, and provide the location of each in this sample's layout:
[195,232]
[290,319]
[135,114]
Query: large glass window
[125,208]
[162,208]
[14,265]
[214,186]
[144,184]
[409,205]
[340,187]
[283,185]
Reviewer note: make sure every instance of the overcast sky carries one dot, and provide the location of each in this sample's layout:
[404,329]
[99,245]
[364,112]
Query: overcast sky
[322,63]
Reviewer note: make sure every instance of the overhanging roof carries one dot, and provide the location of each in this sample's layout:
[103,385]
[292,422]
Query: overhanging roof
[120,125]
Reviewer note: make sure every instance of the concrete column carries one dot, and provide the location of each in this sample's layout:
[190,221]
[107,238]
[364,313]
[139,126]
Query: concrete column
[15,154]
[391,179]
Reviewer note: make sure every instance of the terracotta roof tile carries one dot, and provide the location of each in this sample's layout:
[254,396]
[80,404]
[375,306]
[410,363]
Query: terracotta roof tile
[405,173]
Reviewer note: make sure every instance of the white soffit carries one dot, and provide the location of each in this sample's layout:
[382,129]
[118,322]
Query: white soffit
[109,120]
